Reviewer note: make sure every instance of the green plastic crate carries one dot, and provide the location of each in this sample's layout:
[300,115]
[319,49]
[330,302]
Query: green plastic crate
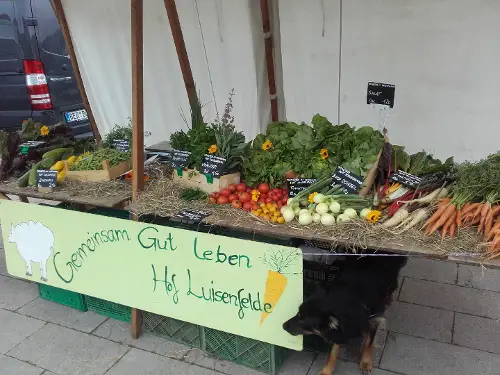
[173,329]
[251,353]
[109,309]
[110,212]
[62,296]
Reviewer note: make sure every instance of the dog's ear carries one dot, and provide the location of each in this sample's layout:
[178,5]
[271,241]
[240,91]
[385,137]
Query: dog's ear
[333,323]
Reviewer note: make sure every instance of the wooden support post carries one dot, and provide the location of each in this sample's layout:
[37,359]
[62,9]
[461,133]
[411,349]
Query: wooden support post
[61,16]
[180,47]
[268,45]
[137,123]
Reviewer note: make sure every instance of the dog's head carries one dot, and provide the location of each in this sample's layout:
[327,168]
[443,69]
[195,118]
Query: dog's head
[337,317]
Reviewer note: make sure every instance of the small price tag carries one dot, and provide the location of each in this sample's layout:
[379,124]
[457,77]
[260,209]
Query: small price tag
[406,179]
[191,216]
[213,165]
[296,185]
[46,178]
[349,182]
[121,145]
[180,159]
[380,93]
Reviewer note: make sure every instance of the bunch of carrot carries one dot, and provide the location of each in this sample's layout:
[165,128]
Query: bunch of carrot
[492,237]
[447,218]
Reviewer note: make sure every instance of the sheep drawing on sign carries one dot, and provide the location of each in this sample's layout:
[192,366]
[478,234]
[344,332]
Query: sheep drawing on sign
[34,242]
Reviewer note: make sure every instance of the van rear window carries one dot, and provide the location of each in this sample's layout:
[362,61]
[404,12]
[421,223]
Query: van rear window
[9,43]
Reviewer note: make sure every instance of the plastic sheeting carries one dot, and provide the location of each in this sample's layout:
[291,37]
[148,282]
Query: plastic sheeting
[225,47]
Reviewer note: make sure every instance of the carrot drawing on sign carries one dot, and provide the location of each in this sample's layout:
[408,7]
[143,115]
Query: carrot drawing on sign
[276,280]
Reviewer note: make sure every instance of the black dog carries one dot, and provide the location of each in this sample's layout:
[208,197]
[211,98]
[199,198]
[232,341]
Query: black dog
[351,306]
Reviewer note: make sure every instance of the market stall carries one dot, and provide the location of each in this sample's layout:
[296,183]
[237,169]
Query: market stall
[241,197]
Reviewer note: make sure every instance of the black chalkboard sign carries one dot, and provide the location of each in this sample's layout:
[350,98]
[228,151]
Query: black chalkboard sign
[46,178]
[213,165]
[121,145]
[349,182]
[191,216]
[406,179]
[296,185]
[180,159]
[380,93]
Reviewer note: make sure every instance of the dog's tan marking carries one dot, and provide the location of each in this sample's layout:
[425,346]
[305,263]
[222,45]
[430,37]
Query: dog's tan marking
[330,363]
[366,364]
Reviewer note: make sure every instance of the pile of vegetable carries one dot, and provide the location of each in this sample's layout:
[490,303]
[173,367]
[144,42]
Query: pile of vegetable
[49,159]
[219,138]
[191,194]
[93,160]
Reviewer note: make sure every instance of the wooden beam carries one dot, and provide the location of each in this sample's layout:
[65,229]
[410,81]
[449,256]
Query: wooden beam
[268,46]
[137,124]
[61,16]
[137,98]
[180,47]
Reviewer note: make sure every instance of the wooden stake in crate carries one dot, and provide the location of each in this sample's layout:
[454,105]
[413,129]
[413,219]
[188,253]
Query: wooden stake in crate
[107,173]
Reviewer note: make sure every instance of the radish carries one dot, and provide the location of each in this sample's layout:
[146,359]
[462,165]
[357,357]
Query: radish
[436,194]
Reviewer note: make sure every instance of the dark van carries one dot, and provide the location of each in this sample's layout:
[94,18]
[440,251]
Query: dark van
[36,76]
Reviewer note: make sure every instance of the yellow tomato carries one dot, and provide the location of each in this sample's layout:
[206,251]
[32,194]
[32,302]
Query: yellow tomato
[262,205]
[280,220]
[273,219]
[272,209]
[265,217]
[258,211]
[276,214]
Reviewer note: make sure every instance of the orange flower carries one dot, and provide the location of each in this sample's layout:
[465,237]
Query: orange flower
[373,216]
[44,130]
[212,149]
[324,153]
[311,197]
[267,145]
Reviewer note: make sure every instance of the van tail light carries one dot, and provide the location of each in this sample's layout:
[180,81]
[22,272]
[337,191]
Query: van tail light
[36,82]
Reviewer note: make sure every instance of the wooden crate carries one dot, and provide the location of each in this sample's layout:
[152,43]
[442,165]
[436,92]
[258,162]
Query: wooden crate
[193,178]
[107,173]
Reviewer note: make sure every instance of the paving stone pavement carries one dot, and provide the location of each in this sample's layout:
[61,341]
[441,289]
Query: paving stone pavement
[445,320]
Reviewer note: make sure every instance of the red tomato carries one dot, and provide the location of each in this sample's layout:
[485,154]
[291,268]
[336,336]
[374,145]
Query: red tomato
[263,195]
[261,200]
[225,192]
[249,190]
[271,195]
[276,191]
[263,188]
[284,200]
[237,204]
[280,204]
[215,195]
[247,206]
[241,187]
[254,206]
[232,187]
[245,197]
[269,200]
[222,200]
[233,197]
[213,200]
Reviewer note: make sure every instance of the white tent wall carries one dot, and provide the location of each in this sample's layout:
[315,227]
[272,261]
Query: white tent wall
[310,45]
[232,34]
[443,57]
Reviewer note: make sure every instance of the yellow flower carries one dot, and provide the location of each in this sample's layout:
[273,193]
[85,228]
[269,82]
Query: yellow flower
[212,149]
[44,130]
[255,195]
[267,145]
[373,216]
[324,153]
[311,197]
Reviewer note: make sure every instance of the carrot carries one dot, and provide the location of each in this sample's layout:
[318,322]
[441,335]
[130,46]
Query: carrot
[437,214]
[459,218]
[484,212]
[488,223]
[453,227]
[449,211]
[495,210]
[477,211]
[443,232]
[469,208]
[447,225]
[275,286]
[491,233]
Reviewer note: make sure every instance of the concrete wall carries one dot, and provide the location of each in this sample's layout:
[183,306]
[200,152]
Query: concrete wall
[442,55]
